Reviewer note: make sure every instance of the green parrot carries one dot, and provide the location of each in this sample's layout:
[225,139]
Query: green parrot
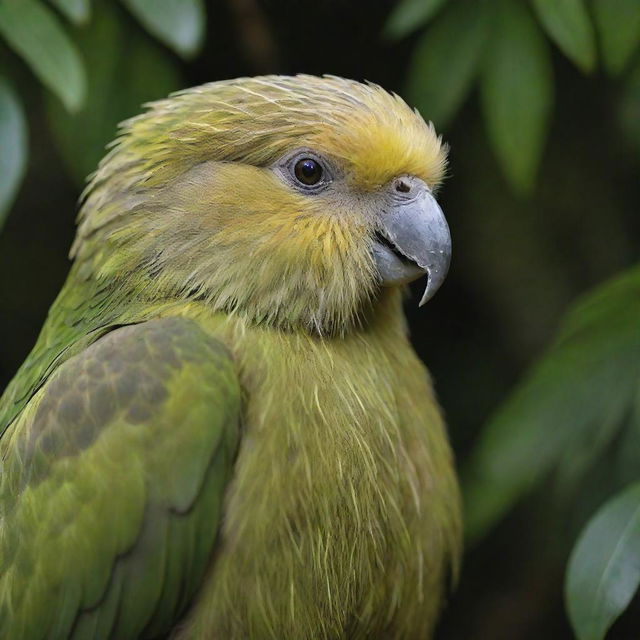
[223,431]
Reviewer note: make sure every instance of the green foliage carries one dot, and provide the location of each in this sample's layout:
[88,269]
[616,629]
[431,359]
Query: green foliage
[516,83]
[443,87]
[13,150]
[580,397]
[179,24]
[125,72]
[618,25]
[77,11]
[35,33]
[409,15]
[517,91]
[567,24]
[573,400]
[604,569]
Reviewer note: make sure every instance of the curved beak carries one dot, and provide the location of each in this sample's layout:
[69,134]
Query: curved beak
[413,238]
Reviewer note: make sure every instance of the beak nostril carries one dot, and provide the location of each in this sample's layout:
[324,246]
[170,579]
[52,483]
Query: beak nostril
[402,186]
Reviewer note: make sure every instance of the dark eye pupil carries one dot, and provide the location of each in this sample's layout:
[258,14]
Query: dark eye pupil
[308,171]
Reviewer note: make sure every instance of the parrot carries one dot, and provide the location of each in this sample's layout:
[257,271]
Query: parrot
[223,431]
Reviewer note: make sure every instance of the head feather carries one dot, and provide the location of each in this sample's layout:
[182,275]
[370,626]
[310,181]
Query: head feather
[137,218]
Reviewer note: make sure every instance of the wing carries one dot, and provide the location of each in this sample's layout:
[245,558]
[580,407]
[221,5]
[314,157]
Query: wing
[111,485]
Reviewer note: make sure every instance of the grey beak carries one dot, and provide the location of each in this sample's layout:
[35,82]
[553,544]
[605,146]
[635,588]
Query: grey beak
[413,238]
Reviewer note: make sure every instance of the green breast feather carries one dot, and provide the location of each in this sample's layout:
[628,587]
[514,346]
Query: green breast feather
[112,483]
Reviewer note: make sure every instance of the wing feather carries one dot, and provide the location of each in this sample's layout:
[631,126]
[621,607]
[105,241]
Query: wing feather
[112,483]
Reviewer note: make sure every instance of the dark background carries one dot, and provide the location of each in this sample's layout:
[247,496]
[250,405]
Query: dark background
[519,260]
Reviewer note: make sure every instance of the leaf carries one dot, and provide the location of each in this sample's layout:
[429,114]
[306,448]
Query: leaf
[33,31]
[440,76]
[618,26]
[126,71]
[516,93]
[587,379]
[77,11]
[180,24]
[409,15]
[13,146]
[568,25]
[604,567]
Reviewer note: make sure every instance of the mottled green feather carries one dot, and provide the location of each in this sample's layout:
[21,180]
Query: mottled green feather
[84,311]
[112,484]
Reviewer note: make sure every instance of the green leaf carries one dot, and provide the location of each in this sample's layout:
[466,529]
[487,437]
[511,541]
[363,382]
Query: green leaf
[568,25]
[33,31]
[13,146]
[618,26]
[180,24]
[409,15]
[440,76]
[604,568]
[126,71]
[77,11]
[586,381]
[516,93]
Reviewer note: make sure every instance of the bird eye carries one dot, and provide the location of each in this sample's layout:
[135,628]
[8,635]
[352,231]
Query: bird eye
[308,171]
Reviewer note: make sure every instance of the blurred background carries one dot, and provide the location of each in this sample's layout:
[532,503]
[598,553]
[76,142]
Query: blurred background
[533,342]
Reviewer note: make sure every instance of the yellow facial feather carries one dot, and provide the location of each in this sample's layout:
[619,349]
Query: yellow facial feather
[188,201]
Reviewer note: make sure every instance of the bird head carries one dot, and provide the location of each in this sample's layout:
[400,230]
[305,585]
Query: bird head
[293,201]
